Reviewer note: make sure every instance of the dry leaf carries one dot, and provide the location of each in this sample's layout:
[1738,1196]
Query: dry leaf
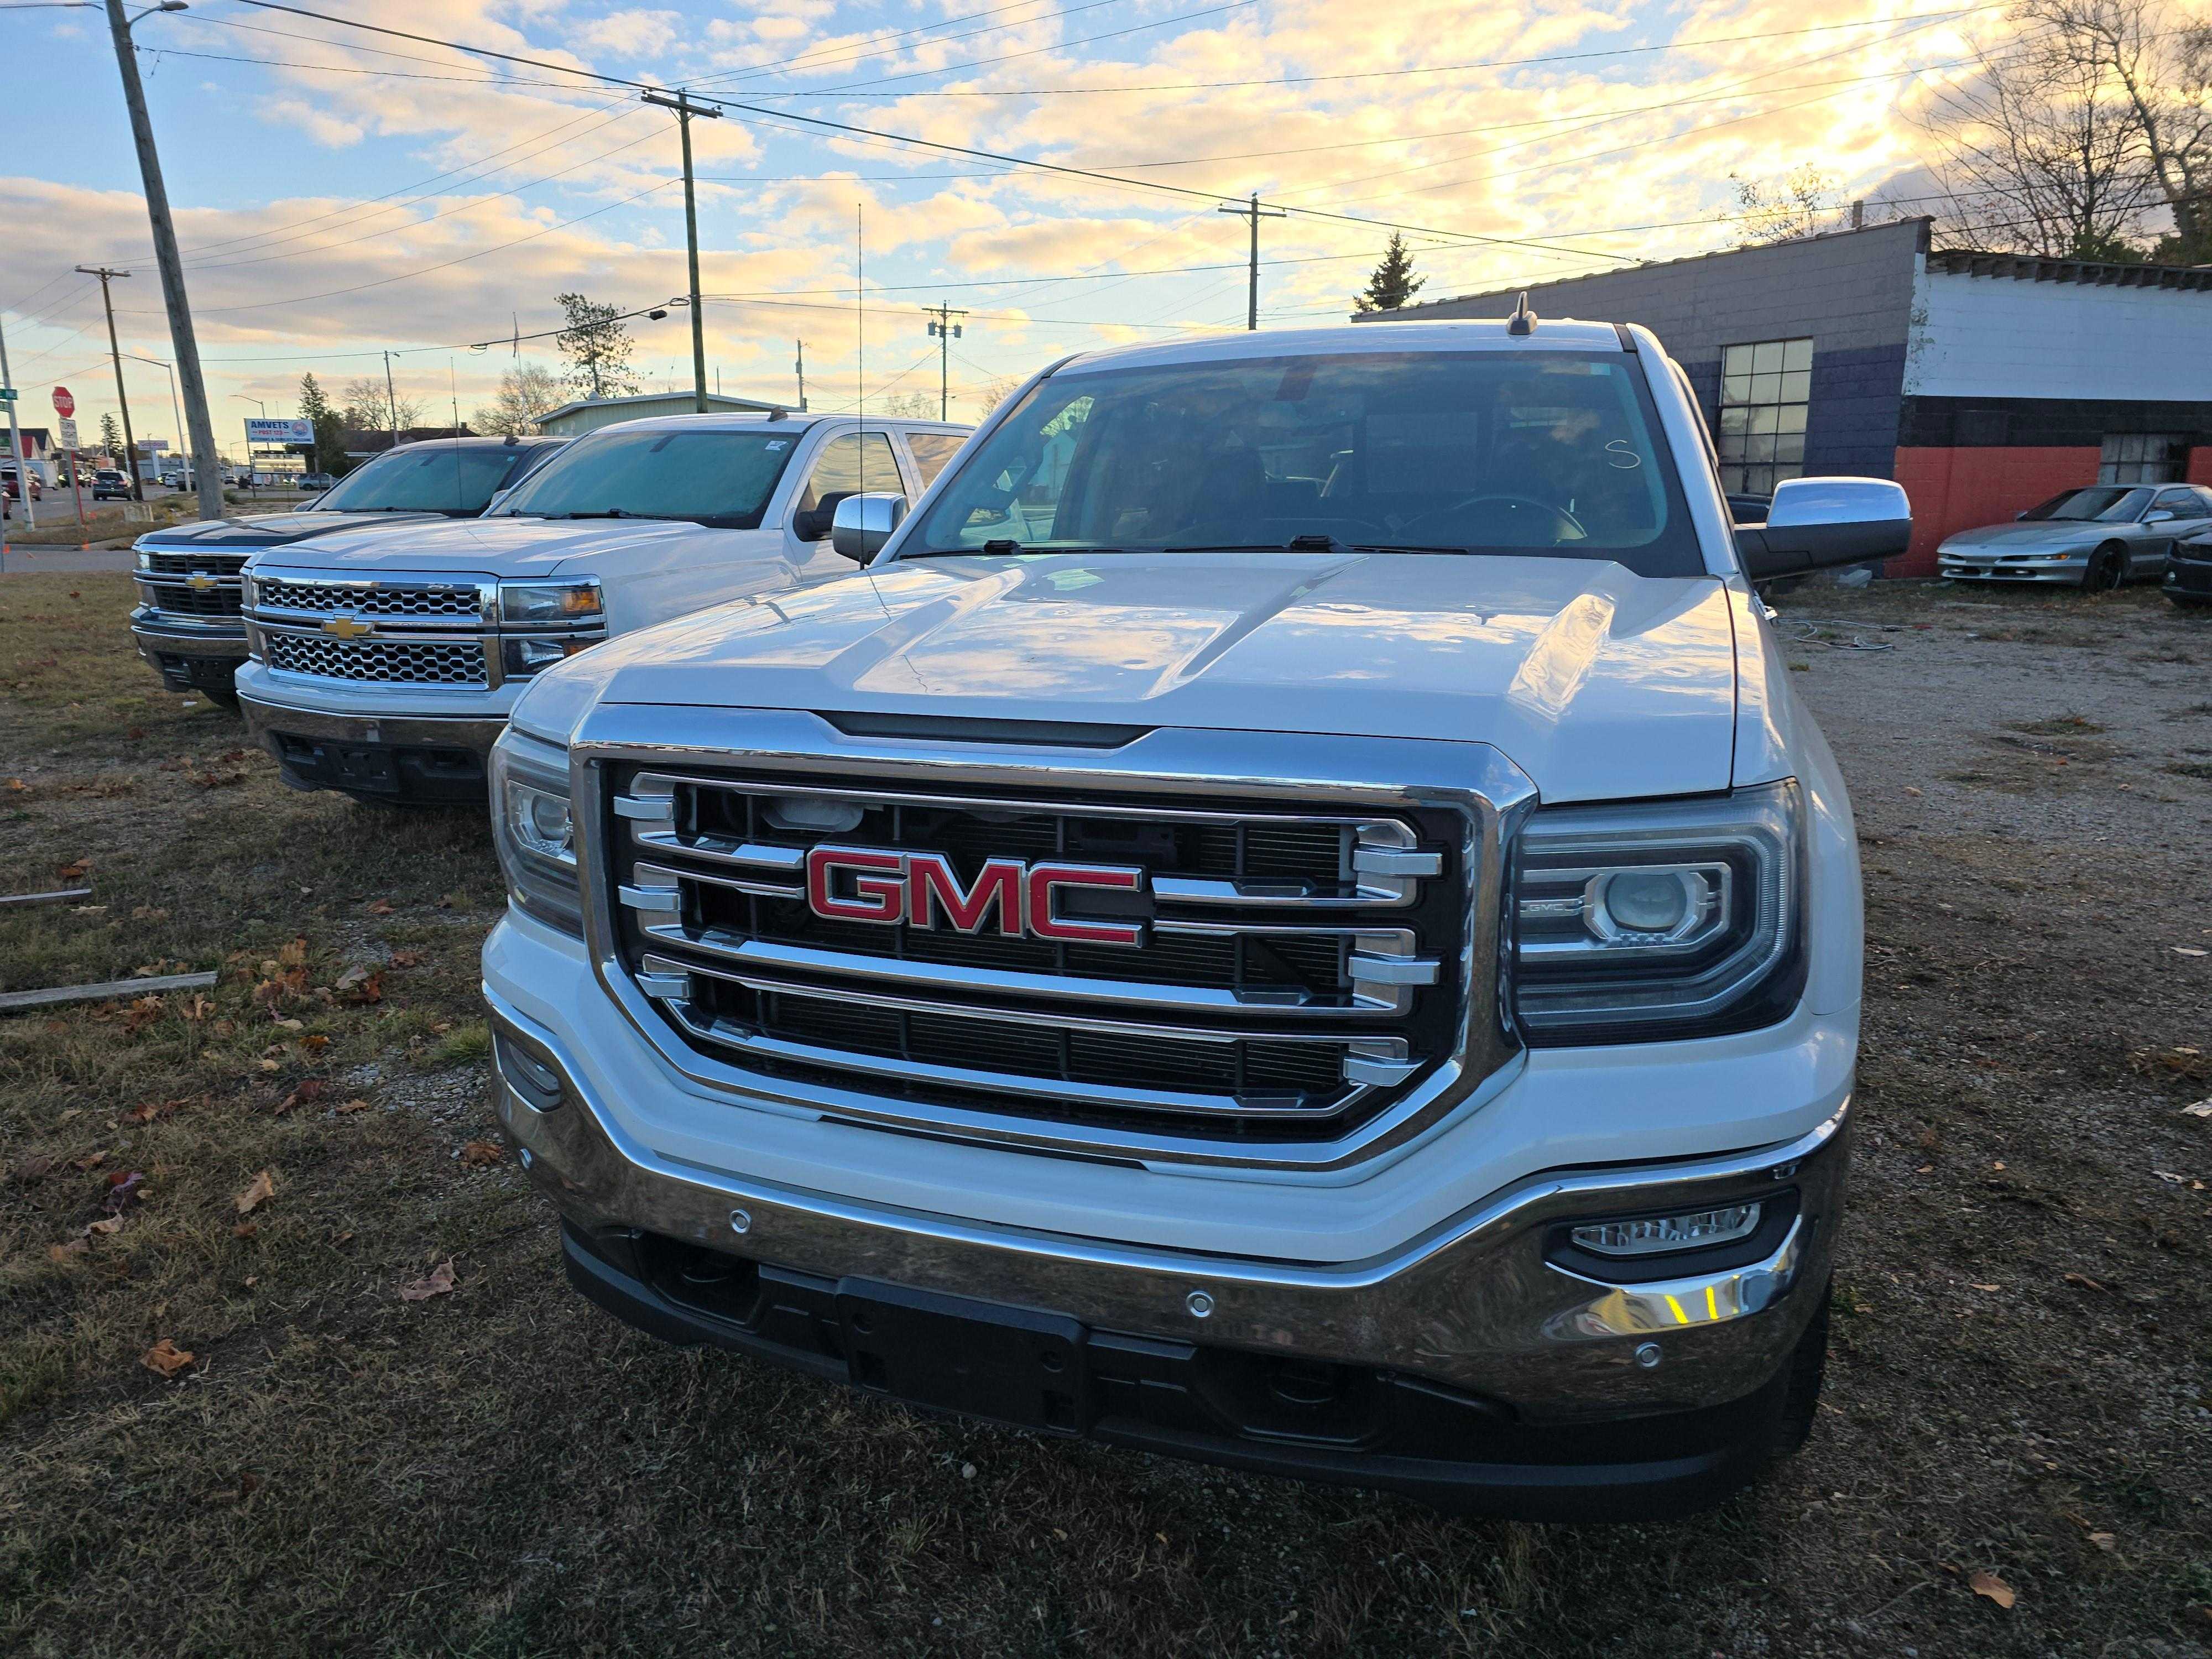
[245,1230]
[37,1164]
[1909,790]
[478,1153]
[314,1043]
[2105,1541]
[2084,1281]
[64,1252]
[382,908]
[105,1226]
[92,1161]
[77,872]
[166,1358]
[405,958]
[2170,1178]
[2190,950]
[293,955]
[354,1105]
[440,1282]
[258,1191]
[1996,1588]
[1983,1287]
[2202,1108]
[122,1191]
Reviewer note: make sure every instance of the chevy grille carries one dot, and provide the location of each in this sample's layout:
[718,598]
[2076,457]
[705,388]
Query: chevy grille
[403,662]
[379,598]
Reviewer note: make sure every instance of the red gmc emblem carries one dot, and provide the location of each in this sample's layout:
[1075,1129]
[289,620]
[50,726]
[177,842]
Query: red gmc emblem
[922,890]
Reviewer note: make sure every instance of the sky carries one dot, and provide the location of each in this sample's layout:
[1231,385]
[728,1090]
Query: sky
[339,194]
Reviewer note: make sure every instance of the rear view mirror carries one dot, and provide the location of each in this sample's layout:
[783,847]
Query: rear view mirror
[1815,524]
[864,523]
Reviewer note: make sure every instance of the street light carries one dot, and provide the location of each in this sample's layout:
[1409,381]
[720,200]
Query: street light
[176,414]
[166,5]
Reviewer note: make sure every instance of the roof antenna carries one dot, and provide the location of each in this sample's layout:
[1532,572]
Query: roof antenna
[1523,320]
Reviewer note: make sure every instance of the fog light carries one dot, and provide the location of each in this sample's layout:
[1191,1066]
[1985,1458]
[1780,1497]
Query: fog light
[1653,1234]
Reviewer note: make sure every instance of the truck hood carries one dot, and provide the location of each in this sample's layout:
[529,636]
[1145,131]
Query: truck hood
[1599,684]
[2025,538]
[261,530]
[500,547]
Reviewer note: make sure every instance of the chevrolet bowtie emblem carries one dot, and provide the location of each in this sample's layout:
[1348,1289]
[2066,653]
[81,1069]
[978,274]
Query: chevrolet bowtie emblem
[199,582]
[347,628]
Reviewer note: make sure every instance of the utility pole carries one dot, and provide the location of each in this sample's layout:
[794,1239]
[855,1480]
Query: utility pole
[184,346]
[685,109]
[801,366]
[115,351]
[16,439]
[946,331]
[391,399]
[1254,213]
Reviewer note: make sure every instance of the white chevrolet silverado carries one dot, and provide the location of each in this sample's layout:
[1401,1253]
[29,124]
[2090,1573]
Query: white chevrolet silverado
[1289,916]
[384,661]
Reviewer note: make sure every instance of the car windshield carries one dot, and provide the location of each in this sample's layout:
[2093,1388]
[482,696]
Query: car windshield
[2102,503]
[721,479]
[1555,453]
[426,477]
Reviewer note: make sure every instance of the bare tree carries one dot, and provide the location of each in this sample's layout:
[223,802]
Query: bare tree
[2160,63]
[2077,137]
[526,392]
[1801,204]
[368,408]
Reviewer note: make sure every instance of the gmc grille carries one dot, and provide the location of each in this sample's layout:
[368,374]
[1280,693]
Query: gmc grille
[1298,971]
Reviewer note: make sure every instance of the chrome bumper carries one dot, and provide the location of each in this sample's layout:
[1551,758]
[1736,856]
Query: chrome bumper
[155,631]
[266,720]
[1474,1303]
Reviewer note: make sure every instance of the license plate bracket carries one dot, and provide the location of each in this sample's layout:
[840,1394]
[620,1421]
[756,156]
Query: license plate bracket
[953,1353]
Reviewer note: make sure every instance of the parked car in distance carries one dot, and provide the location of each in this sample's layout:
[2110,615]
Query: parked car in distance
[2096,537]
[187,625]
[1064,973]
[2189,573]
[111,484]
[11,485]
[313,482]
[384,665]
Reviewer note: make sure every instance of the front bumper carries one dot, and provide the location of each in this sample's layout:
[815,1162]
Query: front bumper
[2067,570]
[2188,578]
[189,655]
[430,758]
[1467,1367]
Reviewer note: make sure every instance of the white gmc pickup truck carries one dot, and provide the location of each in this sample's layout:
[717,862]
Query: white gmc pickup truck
[1289,916]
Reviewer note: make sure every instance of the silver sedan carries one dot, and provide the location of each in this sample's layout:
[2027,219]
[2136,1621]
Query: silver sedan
[2097,537]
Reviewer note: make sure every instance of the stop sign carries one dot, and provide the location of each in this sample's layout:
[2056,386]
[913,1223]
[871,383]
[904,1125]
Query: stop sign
[64,405]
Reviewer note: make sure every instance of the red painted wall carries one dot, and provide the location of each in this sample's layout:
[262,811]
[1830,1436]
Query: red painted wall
[1955,489]
[2200,464]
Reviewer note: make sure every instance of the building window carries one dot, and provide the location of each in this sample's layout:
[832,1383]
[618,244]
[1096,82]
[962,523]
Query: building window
[1764,391]
[2143,458]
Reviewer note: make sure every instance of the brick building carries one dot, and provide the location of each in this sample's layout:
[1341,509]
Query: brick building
[1982,382]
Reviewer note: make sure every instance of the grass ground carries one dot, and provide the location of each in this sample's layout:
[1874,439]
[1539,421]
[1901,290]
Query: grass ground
[2022,1383]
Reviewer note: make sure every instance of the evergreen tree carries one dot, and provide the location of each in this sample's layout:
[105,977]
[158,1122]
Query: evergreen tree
[315,408]
[111,435]
[598,347]
[1393,281]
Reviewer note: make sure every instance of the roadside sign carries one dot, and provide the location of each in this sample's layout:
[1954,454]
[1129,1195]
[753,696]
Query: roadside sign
[7,394]
[68,431]
[64,404]
[279,432]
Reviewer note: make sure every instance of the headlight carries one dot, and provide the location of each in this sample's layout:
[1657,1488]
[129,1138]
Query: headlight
[535,832]
[521,658]
[1673,919]
[550,602]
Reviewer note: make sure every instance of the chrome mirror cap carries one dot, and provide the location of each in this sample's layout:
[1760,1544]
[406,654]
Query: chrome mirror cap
[864,523]
[1803,501]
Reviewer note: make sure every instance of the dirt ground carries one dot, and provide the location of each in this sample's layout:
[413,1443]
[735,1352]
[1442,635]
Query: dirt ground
[2020,1397]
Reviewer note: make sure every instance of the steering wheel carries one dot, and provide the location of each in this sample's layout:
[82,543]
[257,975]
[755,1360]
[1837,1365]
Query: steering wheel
[1566,526]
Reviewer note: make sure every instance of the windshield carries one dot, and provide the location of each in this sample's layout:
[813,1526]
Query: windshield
[1555,453]
[721,479]
[2103,504]
[426,477]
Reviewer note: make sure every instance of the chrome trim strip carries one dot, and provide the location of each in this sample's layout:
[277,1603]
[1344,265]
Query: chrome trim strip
[1196,889]
[1177,767]
[1657,1306]
[718,849]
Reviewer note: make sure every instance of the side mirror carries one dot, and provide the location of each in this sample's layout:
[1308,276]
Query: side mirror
[2159,515]
[1815,524]
[864,523]
[498,496]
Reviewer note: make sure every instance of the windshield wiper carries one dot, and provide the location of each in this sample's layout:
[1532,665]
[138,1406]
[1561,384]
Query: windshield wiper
[609,512]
